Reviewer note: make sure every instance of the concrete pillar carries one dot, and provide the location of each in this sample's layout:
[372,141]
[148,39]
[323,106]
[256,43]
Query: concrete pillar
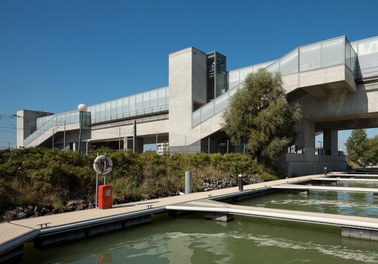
[187,88]
[309,140]
[330,142]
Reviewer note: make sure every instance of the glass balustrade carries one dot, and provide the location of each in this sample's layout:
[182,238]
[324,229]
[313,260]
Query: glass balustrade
[150,102]
[332,52]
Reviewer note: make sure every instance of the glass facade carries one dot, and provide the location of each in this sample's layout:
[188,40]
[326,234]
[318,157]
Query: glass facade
[328,53]
[135,105]
[367,51]
[332,52]
[58,120]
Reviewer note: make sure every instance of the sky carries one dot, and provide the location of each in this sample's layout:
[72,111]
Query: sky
[55,54]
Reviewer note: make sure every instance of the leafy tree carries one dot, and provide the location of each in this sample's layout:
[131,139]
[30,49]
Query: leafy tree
[260,115]
[372,150]
[356,146]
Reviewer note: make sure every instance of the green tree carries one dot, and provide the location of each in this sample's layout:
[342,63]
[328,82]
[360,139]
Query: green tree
[372,150]
[260,115]
[357,146]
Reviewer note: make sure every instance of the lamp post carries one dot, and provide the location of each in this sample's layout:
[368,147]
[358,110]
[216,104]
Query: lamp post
[82,108]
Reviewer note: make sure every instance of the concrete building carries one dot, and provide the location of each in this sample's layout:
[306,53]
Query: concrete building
[335,82]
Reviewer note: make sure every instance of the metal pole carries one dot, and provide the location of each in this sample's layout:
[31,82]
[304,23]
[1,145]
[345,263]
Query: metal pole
[96,201]
[134,137]
[156,139]
[119,138]
[53,143]
[188,182]
[240,178]
[64,135]
[208,145]
[80,131]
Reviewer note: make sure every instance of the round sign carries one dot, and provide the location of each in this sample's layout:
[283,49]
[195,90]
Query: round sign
[103,165]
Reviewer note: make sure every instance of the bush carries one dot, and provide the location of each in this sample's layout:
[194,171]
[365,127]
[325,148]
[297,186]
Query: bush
[36,176]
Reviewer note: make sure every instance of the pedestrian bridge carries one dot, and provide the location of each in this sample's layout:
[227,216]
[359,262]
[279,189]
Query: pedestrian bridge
[335,82]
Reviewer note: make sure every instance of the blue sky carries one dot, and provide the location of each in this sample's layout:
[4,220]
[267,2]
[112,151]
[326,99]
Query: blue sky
[57,54]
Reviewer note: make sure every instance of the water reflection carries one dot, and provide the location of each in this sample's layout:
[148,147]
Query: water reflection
[192,239]
[358,204]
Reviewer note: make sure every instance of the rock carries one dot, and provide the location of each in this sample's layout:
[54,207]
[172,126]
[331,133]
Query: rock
[10,215]
[44,211]
[57,211]
[91,205]
[21,215]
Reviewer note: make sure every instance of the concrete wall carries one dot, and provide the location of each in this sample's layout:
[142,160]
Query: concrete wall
[26,124]
[187,83]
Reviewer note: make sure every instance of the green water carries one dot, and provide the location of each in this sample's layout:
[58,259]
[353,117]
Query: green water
[191,239]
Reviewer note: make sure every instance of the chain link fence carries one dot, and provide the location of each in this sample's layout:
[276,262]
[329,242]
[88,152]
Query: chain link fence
[8,131]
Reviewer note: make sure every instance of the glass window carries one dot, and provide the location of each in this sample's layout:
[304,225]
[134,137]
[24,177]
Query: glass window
[207,111]
[113,109]
[162,97]
[289,63]
[138,102]
[348,50]
[107,110]
[244,73]
[132,103]
[233,79]
[125,104]
[310,57]
[368,47]
[275,67]
[196,118]
[353,61]
[221,103]
[119,110]
[146,100]
[333,52]
[102,112]
[153,98]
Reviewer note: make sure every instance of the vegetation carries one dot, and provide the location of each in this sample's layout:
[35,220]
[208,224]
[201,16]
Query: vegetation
[260,115]
[40,176]
[361,149]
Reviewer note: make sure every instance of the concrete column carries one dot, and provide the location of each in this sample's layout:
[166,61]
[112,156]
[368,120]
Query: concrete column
[330,142]
[309,140]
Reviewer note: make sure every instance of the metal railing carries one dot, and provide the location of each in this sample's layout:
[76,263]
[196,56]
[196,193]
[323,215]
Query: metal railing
[58,120]
[129,114]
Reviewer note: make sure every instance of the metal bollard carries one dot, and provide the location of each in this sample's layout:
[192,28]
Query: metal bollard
[325,170]
[188,182]
[240,178]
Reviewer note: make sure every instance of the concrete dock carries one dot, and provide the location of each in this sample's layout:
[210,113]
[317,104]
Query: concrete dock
[339,179]
[325,188]
[52,230]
